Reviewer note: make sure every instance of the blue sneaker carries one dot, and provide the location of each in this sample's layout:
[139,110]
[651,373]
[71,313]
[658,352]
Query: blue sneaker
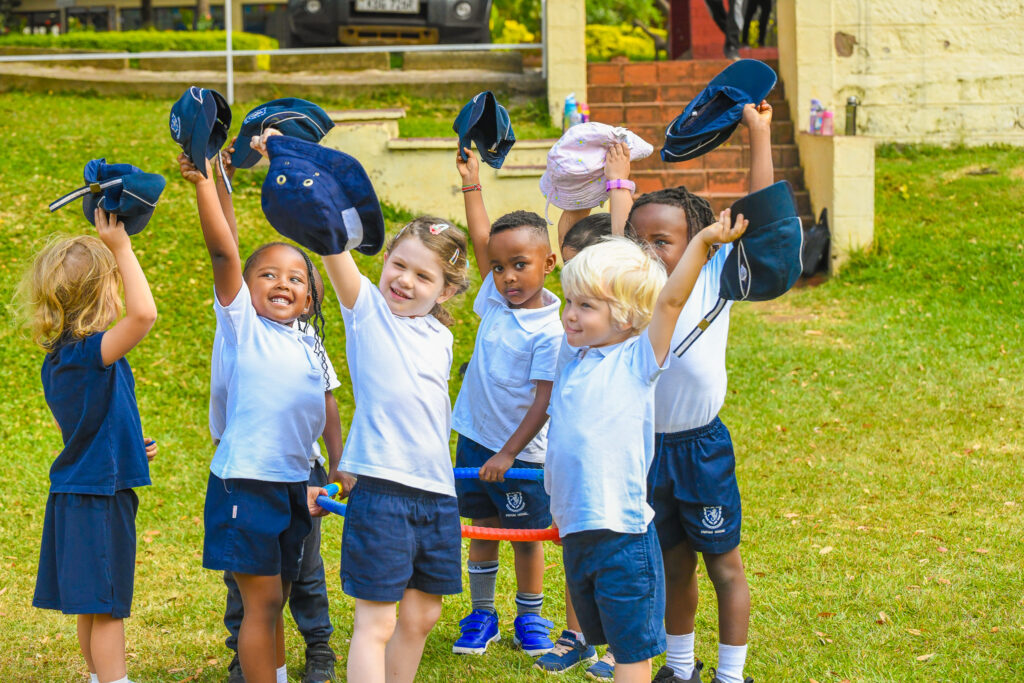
[567,653]
[479,630]
[604,668]
[533,634]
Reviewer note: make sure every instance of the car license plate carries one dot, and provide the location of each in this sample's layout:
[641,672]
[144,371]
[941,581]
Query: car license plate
[403,6]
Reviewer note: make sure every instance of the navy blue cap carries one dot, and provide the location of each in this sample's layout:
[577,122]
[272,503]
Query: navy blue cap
[766,261]
[486,123]
[119,189]
[321,198]
[711,117]
[290,115]
[199,122]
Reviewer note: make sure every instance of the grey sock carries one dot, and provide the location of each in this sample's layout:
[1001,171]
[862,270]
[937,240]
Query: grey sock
[529,603]
[482,577]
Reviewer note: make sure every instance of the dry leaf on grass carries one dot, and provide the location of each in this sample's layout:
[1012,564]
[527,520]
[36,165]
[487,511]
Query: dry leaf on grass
[826,550]
[925,658]
[883,618]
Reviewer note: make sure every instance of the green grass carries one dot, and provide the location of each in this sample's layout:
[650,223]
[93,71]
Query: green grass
[877,421]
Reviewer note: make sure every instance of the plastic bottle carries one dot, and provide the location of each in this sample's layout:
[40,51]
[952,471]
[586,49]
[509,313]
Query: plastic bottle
[827,123]
[584,110]
[568,111]
[851,115]
[815,121]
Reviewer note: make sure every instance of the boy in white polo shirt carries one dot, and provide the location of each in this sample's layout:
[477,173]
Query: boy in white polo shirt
[501,412]
[619,315]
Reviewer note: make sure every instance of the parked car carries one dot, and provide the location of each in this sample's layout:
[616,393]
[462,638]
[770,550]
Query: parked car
[388,22]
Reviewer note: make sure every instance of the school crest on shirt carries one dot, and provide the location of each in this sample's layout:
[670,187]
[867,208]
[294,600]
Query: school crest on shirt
[712,517]
[514,502]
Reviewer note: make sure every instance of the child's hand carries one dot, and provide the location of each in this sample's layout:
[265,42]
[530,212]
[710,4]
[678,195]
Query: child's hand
[260,144]
[616,162]
[724,230]
[345,481]
[111,230]
[314,508]
[759,116]
[189,171]
[150,448]
[496,466]
[469,168]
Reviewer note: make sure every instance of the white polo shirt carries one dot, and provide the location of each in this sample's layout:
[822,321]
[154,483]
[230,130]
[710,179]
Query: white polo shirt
[272,386]
[218,390]
[514,349]
[399,368]
[601,439]
[692,390]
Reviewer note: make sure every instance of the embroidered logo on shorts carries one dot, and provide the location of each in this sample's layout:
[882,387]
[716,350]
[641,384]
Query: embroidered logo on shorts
[514,502]
[712,517]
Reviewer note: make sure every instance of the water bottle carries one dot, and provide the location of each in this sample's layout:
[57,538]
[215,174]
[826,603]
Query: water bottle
[827,123]
[815,122]
[851,115]
[569,111]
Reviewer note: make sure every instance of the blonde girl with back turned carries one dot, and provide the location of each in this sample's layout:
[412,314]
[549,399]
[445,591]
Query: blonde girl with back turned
[87,558]
[401,542]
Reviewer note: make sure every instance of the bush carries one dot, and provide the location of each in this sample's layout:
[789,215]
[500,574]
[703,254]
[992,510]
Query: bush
[142,41]
[511,31]
[605,42]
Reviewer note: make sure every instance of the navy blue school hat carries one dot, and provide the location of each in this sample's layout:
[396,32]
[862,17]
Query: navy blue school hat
[321,198]
[766,261]
[711,117]
[119,189]
[486,123]
[290,115]
[199,123]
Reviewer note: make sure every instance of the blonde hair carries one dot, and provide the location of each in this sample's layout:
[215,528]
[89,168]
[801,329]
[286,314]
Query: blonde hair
[621,272]
[71,290]
[449,244]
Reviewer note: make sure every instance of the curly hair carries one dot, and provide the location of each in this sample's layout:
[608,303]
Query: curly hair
[696,209]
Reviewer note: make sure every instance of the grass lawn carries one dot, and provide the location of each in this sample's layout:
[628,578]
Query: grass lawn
[877,418]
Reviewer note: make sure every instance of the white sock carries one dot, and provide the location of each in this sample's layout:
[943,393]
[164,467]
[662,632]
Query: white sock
[282,674]
[731,659]
[121,680]
[680,654]
[93,678]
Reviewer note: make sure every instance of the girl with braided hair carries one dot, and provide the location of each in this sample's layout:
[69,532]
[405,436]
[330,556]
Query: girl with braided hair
[272,375]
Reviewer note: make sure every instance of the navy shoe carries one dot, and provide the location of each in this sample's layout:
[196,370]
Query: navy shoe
[567,653]
[320,660]
[479,630]
[604,669]
[667,675]
[533,634]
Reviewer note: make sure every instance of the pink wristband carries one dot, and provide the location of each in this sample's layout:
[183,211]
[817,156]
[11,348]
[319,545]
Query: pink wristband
[619,184]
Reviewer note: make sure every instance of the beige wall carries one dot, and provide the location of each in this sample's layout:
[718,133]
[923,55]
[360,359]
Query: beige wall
[935,71]
[566,53]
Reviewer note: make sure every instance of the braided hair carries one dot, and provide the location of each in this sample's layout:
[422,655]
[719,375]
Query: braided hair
[316,314]
[696,209]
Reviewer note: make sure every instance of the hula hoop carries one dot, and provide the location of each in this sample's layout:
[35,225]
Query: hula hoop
[483,533]
[514,473]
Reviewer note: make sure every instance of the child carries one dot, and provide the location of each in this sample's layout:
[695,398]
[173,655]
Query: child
[258,504]
[401,542]
[501,413]
[87,558]
[619,328]
[308,597]
[696,499]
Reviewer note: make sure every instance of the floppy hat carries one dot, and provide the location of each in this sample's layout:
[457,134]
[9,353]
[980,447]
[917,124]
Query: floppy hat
[574,178]
[486,123]
[119,189]
[766,261]
[321,198]
[290,115]
[711,117]
[199,123]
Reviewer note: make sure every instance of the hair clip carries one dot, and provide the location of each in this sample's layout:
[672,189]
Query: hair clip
[438,228]
[455,257]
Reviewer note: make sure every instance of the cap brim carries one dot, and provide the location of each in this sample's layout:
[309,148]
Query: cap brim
[749,75]
[244,156]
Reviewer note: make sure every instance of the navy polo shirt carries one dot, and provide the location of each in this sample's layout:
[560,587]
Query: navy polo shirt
[99,421]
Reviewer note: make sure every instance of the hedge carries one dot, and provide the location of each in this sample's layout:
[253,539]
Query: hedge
[605,42]
[142,41]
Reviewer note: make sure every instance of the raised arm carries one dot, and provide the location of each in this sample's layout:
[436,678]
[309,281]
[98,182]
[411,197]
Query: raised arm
[616,167]
[221,242]
[139,307]
[344,276]
[569,218]
[476,214]
[223,195]
[759,122]
[677,290]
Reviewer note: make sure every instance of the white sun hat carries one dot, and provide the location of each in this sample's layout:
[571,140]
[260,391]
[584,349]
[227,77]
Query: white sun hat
[574,178]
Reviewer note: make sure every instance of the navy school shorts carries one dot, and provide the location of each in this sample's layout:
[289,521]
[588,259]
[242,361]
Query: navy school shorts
[87,558]
[397,537]
[695,496]
[519,503]
[255,527]
[617,584]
